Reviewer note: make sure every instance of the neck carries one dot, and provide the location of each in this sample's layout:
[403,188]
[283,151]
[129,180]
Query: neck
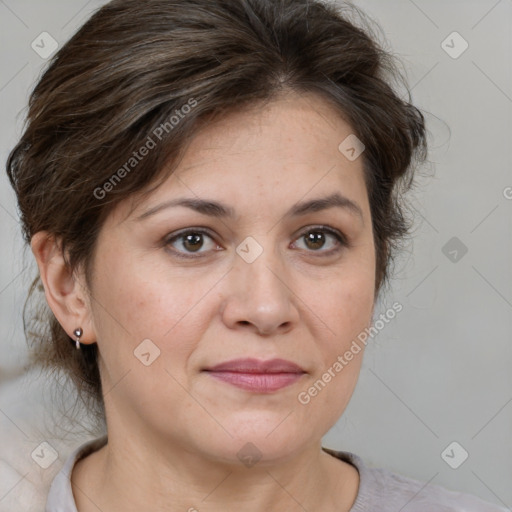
[127,475]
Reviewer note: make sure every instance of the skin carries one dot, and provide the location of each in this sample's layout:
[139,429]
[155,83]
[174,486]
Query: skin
[174,431]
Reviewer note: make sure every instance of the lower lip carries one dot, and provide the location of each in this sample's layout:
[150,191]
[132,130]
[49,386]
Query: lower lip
[258,382]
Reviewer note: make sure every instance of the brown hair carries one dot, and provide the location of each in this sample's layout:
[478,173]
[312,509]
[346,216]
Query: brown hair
[154,71]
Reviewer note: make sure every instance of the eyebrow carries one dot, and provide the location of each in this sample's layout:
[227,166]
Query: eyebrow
[220,210]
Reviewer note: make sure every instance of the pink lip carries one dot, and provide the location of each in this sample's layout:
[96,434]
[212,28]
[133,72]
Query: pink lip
[258,376]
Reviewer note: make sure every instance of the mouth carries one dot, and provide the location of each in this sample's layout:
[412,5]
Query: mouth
[257,376]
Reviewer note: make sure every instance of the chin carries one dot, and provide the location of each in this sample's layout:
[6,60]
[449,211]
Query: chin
[261,440]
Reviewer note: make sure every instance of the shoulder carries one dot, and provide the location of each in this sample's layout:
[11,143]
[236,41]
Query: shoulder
[383,490]
[60,496]
[424,496]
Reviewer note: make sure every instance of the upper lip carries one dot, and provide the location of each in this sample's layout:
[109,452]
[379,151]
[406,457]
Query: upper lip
[251,365]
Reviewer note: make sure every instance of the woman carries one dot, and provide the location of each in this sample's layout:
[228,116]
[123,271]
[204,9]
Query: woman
[210,190]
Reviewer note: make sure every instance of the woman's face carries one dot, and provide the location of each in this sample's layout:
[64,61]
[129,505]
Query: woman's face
[266,279]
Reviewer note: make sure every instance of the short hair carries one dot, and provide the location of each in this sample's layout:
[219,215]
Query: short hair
[159,70]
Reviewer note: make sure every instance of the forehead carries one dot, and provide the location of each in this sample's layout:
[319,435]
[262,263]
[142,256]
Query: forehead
[294,128]
[274,153]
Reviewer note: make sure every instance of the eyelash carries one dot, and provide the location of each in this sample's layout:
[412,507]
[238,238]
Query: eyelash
[341,239]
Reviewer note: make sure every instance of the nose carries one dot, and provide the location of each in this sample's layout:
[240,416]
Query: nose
[258,296]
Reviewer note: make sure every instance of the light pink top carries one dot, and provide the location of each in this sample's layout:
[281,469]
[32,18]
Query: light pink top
[379,489]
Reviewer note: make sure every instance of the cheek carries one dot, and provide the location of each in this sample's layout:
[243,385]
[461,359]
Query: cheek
[346,302]
[134,304]
[348,307]
[140,300]
[138,297]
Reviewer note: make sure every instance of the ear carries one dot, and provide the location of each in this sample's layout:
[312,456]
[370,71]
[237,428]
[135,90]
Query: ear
[66,292]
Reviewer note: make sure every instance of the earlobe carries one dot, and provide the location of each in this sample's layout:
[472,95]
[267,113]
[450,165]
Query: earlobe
[65,292]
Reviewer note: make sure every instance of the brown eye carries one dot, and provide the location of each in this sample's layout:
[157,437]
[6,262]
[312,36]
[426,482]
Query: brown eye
[190,242]
[316,239]
[193,242]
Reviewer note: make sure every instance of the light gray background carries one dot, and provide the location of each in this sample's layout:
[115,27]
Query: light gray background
[440,371]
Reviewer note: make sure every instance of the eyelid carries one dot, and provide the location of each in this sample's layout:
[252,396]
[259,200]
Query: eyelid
[186,231]
[321,227]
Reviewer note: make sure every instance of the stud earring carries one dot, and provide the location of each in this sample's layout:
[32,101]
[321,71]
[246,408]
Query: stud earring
[78,333]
